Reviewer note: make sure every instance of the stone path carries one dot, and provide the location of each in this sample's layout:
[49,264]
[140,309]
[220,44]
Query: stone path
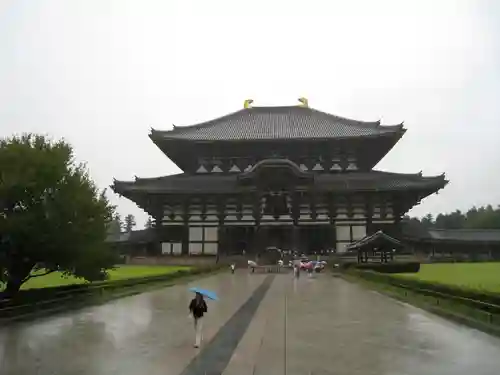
[263,325]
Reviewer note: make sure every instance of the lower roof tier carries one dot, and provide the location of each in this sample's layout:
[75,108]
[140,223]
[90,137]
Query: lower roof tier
[343,183]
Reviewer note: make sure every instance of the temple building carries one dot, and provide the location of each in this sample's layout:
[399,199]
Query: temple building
[291,177]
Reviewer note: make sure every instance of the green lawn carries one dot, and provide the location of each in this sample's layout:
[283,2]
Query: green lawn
[120,273]
[480,276]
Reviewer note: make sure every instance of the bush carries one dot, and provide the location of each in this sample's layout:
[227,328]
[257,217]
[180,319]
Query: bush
[33,296]
[396,267]
[348,265]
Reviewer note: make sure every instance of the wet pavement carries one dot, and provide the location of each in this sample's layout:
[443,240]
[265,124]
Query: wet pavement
[262,325]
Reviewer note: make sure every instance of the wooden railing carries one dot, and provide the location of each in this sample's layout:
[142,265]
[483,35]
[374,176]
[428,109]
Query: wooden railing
[489,310]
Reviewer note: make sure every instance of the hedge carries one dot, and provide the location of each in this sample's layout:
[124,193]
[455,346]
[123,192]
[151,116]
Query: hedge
[33,296]
[395,267]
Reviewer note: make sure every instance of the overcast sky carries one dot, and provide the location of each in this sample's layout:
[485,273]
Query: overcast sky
[101,73]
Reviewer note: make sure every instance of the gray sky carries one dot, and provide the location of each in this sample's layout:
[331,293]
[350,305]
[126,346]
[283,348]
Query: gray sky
[100,73]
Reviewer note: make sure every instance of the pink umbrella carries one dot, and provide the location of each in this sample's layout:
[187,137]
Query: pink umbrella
[309,265]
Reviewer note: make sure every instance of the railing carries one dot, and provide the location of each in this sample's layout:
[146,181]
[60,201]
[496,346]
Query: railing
[270,269]
[481,305]
[486,311]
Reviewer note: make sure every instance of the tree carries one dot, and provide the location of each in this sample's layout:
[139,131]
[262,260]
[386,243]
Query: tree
[485,217]
[115,226]
[129,223]
[427,221]
[149,223]
[52,216]
[454,220]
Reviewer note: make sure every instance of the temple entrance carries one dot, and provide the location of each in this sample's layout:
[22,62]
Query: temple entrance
[254,240]
[316,239]
[276,236]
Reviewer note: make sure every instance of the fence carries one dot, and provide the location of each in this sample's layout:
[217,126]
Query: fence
[452,299]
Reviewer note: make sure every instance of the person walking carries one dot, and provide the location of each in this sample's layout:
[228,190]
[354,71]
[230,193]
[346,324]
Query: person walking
[197,308]
[296,271]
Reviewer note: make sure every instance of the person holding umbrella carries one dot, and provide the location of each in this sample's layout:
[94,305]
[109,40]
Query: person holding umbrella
[198,308]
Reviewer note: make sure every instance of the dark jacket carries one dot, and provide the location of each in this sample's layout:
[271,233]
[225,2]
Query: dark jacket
[198,309]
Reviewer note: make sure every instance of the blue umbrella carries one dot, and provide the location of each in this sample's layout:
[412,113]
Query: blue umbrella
[207,293]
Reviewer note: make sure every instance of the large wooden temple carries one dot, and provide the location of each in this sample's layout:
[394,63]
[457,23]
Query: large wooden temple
[292,177]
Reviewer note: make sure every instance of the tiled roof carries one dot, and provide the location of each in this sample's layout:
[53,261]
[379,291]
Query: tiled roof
[135,236]
[455,235]
[264,123]
[227,183]
[376,239]
[118,237]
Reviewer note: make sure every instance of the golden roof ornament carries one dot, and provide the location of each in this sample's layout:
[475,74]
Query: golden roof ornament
[248,103]
[304,102]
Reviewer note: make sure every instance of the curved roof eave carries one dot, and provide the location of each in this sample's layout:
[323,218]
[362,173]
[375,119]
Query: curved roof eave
[160,136]
[332,126]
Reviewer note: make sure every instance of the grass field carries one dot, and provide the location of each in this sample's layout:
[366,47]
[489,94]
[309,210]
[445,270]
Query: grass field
[120,273]
[479,276]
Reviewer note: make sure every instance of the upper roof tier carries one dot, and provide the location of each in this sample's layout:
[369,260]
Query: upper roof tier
[277,123]
[379,181]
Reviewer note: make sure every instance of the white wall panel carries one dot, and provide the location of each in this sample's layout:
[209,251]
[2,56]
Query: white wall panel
[343,233]
[195,234]
[211,248]
[211,234]
[358,232]
[195,248]
[177,248]
[341,247]
[166,247]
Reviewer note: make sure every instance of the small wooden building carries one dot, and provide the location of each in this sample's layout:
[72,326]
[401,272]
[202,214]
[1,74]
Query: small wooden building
[134,243]
[378,247]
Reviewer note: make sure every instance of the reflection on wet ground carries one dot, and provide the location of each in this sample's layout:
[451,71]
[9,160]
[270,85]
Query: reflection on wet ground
[320,326]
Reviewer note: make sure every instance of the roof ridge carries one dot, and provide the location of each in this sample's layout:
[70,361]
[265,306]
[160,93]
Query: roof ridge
[350,122]
[465,230]
[200,125]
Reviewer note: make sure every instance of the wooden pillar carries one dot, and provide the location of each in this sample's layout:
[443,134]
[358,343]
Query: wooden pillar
[369,215]
[257,208]
[296,238]
[221,210]
[239,208]
[312,206]
[158,233]
[397,212]
[332,215]
[295,211]
[185,220]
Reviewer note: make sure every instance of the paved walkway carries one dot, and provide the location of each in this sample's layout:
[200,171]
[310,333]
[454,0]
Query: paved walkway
[263,325]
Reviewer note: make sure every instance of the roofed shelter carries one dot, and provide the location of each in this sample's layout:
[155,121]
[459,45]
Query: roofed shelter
[376,246]
[292,177]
